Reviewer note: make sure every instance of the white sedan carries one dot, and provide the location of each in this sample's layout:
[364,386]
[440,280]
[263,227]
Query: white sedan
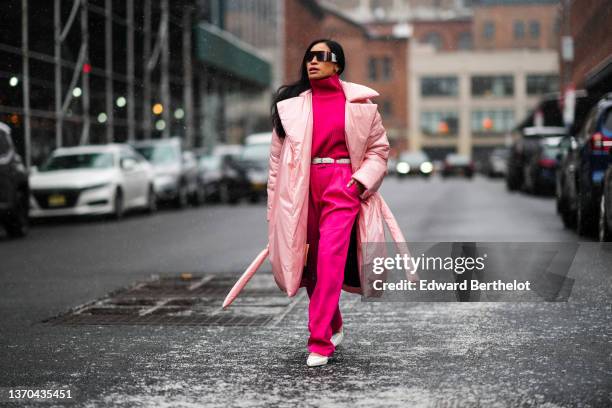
[92,179]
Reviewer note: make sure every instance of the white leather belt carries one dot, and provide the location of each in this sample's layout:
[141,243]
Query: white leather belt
[318,160]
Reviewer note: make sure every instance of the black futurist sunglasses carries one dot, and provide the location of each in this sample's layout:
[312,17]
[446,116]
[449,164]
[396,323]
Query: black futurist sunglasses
[322,56]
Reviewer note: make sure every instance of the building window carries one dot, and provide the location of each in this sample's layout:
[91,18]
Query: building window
[519,29]
[439,86]
[434,39]
[444,123]
[465,41]
[372,69]
[492,120]
[379,69]
[534,29]
[489,30]
[538,84]
[386,68]
[502,85]
[386,108]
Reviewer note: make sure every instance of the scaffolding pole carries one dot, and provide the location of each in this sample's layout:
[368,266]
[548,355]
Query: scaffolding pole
[110,111]
[165,60]
[146,81]
[188,78]
[131,108]
[57,25]
[26,82]
[85,73]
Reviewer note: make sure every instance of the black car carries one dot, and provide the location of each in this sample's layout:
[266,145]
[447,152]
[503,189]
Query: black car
[14,187]
[584,160]
[605,207]
[526,145]
[457,164]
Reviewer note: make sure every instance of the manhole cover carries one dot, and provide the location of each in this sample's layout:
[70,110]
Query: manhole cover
[186,299]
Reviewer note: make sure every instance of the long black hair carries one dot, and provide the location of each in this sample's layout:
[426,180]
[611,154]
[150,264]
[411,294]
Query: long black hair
[302,84]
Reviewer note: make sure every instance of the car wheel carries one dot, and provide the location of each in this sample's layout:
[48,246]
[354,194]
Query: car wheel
[584,219]
[604,231]
[254,198]
[151,201]
[18,224]
[118,208]
[224,193]
[182,197]
[198,195]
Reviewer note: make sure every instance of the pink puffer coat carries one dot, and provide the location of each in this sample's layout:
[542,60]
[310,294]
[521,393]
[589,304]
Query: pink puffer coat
[288,188]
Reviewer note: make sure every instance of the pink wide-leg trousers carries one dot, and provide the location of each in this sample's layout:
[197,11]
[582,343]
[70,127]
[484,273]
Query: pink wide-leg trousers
[332,209]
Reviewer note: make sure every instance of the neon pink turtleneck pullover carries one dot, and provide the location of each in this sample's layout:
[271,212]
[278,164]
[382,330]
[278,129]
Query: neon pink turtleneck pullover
[328,109]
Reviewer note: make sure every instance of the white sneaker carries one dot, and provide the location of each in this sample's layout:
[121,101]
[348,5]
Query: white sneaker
[316,360]
[337,338]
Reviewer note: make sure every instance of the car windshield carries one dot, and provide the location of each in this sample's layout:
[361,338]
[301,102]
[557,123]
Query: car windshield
[78,161]
[414,157]
[210,162]
[256,152]
[159,154]
[457,159]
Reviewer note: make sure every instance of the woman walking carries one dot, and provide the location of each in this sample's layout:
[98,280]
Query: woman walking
[327,160]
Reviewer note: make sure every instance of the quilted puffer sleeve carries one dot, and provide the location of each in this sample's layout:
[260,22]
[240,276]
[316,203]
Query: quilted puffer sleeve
[373,169]
[273,162]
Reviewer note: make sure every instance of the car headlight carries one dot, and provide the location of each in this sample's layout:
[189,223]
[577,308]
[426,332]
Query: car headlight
[426,167]
[403,167]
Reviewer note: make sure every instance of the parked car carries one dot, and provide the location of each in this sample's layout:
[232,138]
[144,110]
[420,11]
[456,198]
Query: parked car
[540,169]
[14,187]
[92,179]
[526,144]
[176,171]
[605,207]
[457,164]
[254,160]
[584,161]
[413,163]
[224,179]
[495,164]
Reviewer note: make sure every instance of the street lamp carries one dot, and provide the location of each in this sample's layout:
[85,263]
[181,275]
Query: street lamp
[14,81]
[121,101]
[77,92]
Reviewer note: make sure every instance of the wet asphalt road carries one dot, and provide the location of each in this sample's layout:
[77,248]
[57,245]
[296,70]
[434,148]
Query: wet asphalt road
[395,354]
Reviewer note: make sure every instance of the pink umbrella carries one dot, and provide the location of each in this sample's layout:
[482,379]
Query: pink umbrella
[246,276]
